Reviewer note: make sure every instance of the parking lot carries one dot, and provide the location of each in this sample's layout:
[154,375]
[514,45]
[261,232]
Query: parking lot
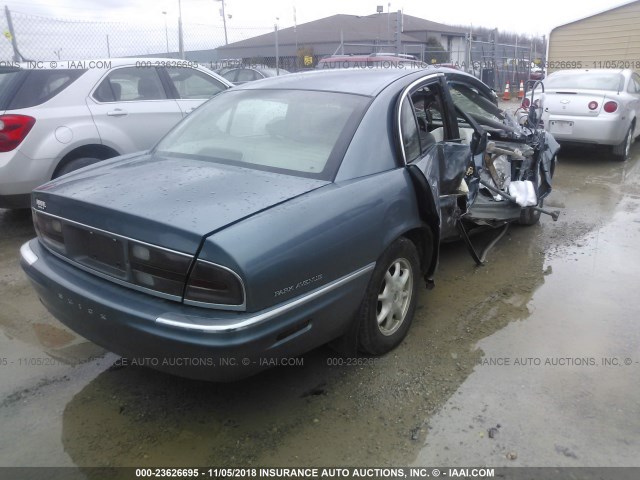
[530,360]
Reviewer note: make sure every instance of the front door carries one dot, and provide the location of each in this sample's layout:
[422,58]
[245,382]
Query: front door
[436,155]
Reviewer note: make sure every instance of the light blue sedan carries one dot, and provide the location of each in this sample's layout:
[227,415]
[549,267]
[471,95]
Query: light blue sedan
[282,215]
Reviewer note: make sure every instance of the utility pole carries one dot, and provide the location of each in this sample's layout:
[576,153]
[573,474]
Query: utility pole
[180,38]
[295,33]
[224,22]
[17,57]
[388,23]
[166,30]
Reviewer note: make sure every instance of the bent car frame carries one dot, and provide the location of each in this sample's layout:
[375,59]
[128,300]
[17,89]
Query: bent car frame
[283,215]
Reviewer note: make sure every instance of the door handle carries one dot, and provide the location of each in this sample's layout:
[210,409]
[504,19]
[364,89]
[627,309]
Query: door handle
[118,112]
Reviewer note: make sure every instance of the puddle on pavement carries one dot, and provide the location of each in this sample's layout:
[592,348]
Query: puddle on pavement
[559,388]
[414,405]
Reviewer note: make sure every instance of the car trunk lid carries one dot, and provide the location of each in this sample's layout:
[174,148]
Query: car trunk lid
[166,201]
[573,102]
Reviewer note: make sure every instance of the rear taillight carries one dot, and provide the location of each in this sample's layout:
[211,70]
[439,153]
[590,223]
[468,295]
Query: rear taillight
[13,129]
[610,107]
[526,102]
[158,269]
[593,105]
[214,285]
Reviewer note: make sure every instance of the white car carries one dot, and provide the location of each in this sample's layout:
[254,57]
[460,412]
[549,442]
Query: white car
[598,107]
[56,117]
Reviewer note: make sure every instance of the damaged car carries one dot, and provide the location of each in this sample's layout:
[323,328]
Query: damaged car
[283,215]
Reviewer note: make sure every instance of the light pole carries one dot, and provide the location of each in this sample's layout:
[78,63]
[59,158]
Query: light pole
[166,31]
[224,22]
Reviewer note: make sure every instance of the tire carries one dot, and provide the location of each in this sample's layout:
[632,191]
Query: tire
[75,164]
[529,216]
[392,289]
[621,152]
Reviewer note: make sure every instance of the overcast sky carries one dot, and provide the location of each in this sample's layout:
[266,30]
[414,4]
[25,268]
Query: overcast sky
[536,17]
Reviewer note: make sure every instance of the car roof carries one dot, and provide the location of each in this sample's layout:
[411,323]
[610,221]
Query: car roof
[367,82]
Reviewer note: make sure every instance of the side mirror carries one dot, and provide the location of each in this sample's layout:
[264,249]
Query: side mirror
[478,143]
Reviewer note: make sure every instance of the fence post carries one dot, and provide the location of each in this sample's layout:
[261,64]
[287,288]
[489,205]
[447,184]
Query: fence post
[14,43]
[497,83]
[398,32]
[277,51]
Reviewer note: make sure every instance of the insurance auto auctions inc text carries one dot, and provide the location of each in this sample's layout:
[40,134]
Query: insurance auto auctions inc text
[405,472]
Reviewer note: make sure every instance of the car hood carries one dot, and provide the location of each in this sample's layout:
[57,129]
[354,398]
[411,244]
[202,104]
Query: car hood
[167,201]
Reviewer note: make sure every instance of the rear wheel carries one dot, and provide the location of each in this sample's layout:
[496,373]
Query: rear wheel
[75,164]
[389,304]
[621,152]
[529,216]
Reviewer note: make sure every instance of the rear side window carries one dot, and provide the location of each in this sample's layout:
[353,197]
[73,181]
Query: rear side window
[246,75]
[130,84]
[230,75]
[409,128]
[40,86]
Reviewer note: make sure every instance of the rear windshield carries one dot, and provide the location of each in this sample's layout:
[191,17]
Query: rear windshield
[585,81]
[303,133]
[36,86]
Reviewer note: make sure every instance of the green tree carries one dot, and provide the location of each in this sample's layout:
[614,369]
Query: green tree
[434,52]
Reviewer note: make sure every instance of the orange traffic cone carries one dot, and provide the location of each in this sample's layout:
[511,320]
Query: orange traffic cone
[521,91]
[507,92]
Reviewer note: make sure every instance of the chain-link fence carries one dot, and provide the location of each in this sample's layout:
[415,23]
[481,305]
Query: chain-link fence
[33,37]
[498,64]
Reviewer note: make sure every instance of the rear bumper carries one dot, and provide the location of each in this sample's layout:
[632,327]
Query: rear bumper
[20,174]
[190,341]
[15,201]
[600,130]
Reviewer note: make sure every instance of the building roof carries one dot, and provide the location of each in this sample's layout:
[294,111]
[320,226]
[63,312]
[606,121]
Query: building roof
[351,28]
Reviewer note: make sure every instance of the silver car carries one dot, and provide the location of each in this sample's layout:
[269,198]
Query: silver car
[56,117]
[593,107]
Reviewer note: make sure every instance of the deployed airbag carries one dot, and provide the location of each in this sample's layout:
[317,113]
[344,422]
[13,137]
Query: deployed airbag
[524,192]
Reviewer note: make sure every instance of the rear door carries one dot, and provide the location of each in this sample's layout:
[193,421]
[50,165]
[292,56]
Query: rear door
[132,109]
